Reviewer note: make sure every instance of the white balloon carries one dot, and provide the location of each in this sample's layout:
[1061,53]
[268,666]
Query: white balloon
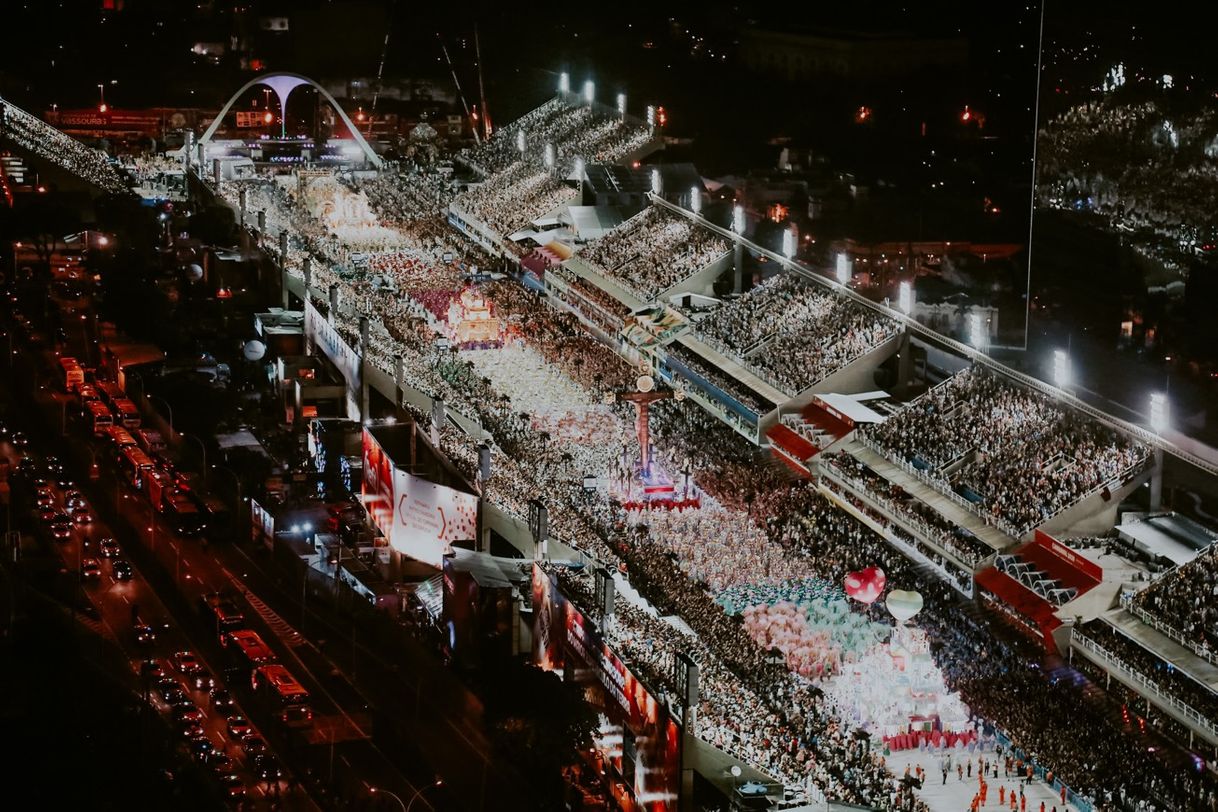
[254,350]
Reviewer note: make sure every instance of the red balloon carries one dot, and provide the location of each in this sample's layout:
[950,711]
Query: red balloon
[867,585]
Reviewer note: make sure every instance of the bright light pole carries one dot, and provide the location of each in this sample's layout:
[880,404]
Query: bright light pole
[843,268]
[589,91]
[1158,422]
[905,298]
[1158,412]
[695,200]
[976,331]
[439,782]
[1061,369]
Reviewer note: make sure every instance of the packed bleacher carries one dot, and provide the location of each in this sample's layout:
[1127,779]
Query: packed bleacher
[795,332]
[654,250]
[764,529]
[1014,454]
[32,133]
[513,197]
[1186,599]
[716,377]
[1165,677]
[575,129]
[950,537]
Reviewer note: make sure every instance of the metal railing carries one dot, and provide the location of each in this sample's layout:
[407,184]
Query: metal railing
[1115,663]
[1166,629]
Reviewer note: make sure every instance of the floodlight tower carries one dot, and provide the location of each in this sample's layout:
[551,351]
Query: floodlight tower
[1159,423]
[738,225]
[905,354]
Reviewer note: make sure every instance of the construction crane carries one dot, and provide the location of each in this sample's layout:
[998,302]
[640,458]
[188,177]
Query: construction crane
[380,71]
[460,93]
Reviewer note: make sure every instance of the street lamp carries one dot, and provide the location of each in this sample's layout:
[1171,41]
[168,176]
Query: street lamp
[375,790]
[439,782]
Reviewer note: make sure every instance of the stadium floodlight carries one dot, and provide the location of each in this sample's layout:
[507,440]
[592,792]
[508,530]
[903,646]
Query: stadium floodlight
[651,116]
[843,268]
[520,141]
[695,200]
[657,182]
[564,82]
[905,298]
[976,331]
[579,168]
[738,219]
[549,156]
[789,241]
[1061,369]
[621,103]
[1158,412]
[589,91]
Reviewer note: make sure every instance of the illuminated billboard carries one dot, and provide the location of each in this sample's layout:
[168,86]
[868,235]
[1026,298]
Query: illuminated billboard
[639,739]
[419,518]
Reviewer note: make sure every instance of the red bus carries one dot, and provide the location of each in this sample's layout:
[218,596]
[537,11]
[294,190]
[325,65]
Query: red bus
[251,651]
[280,689]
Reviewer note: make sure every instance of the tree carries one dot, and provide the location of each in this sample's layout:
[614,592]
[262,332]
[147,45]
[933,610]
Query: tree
[539,723]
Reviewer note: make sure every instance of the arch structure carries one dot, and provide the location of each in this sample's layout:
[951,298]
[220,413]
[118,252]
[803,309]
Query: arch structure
[283,84]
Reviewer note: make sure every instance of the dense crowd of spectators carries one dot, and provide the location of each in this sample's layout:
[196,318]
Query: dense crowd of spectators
[716,377]
[1025,458]
[1167,678]
[952,538]
[808,332]
[654,250]
[35,135]
[758,527]
[1186,599]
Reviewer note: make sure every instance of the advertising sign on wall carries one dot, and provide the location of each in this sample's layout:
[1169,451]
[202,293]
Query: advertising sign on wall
[639,738]
[421,519]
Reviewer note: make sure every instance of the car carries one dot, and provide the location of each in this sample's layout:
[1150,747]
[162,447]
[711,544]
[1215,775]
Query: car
[82,515]
[191,730]
[201,748]
[182,702]
[221,699]
[151,669]
[297,716]
[45,498]
[145,635]
[239,727]
[65,482]
[202,681]
[46,515]
[185,662]
[90,568]
[121,569]
[221,763]
[265,768]
[233,786]
[254,745]
[108,548]
[74,498]
[190,714]
[165,685]
[18,439]
[61,531]
[175,697]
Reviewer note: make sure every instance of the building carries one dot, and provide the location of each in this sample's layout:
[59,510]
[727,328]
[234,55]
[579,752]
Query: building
[800,55]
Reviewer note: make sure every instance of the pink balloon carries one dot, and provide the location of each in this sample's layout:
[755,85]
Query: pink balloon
[866,585]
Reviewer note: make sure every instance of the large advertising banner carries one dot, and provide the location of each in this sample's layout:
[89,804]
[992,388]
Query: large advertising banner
[377,490]
[428,518]
[420,519]
[639,738]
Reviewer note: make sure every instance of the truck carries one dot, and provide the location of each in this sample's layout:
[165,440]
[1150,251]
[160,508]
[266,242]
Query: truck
[73,373]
